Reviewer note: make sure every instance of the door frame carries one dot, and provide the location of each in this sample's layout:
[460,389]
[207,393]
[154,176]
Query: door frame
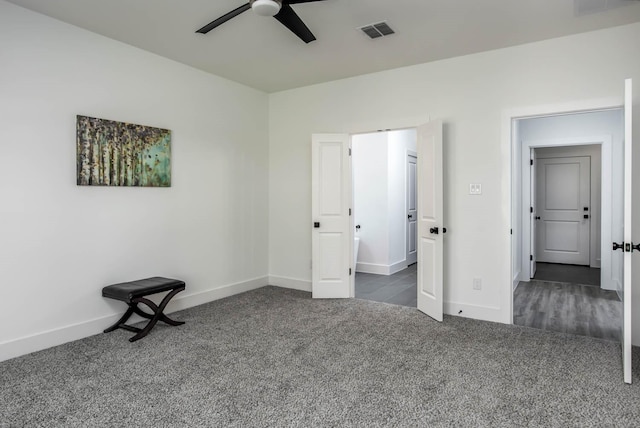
[368,127]
[606,196]
[351,190]
[512,168]
[410,153]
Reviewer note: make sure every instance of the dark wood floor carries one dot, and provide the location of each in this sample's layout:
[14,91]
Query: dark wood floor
[398,289]
[568,308]
[549,305]
[573,274]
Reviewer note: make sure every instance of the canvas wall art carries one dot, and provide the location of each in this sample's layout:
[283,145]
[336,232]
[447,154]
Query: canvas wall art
[111,153]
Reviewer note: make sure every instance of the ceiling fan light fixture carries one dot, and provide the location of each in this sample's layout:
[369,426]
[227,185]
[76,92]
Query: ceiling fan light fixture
[266,7]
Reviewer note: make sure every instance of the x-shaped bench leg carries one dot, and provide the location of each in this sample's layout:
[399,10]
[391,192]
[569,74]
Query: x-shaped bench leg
[157,315]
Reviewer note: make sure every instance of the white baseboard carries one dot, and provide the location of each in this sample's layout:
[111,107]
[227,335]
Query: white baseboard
[515,281]
[484,313]
[613,285]
[292,283]
[207,296]
[381,269]
[58,336]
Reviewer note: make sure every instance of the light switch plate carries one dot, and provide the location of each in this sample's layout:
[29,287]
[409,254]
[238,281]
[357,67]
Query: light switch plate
[475,189]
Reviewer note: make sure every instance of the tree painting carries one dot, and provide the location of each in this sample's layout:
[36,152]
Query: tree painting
[113,153]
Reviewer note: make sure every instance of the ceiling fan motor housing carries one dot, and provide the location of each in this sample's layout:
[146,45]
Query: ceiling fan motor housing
[266,7]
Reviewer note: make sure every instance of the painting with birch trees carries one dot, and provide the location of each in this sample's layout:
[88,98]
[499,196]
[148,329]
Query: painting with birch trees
[113,153]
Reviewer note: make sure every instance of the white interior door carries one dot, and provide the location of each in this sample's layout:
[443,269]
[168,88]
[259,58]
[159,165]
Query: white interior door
[533,218]
[430,227]
[331,243]
[412,210]
[563,203]
[626,292]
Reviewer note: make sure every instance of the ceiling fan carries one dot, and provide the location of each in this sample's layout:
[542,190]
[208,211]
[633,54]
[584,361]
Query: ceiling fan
[279,9]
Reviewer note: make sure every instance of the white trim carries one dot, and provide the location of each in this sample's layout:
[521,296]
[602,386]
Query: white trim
[515,281]
[508,144]
[413,154]
[191,300]
[379,269]
[478,312]
[25,345]
[292,283]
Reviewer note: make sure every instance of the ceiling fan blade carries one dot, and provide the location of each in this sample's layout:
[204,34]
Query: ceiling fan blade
[298,1]
[292,21]
[224,18]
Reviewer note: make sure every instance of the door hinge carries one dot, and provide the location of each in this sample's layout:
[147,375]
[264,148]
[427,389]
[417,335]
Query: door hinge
[349,271]
[531,257]
[349,151]
[530,161]
[349,211]
[531,209]
[510,231]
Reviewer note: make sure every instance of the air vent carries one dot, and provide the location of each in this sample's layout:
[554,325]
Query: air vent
[377,30]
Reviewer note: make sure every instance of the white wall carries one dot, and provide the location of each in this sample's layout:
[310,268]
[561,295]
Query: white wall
[61,243]
[370,182]
[475,95]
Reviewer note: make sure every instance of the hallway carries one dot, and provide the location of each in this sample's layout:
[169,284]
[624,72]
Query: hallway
[549,302]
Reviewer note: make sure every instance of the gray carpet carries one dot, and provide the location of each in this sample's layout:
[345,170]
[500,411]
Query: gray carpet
[275,357]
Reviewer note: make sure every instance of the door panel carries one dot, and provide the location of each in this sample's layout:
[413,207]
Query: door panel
[331,243]
[430,214]
[562,236]
[427,265]
[563,199]
[412,210]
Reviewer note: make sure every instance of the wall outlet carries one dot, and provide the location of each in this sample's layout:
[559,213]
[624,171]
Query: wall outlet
[477,284]
[475,189]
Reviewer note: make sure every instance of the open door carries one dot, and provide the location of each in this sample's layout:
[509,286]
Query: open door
[430,213]
[627,244]
[331,243]
[533,219]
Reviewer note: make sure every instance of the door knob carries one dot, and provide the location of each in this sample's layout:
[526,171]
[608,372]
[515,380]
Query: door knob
[537,217]
[434,230]
[410,216]
[357,227]
[586,216]
[617,246]
[316,224]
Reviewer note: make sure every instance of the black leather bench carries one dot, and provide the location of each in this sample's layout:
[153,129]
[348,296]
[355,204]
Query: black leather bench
[135,292]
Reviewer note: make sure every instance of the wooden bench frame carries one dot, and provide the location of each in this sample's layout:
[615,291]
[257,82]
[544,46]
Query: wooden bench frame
[134,293]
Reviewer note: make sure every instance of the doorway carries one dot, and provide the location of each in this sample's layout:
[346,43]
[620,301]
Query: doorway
[384,171]
[333,228]
[565,278]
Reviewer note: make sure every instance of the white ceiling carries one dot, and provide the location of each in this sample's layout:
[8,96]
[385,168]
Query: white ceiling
[262,53]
